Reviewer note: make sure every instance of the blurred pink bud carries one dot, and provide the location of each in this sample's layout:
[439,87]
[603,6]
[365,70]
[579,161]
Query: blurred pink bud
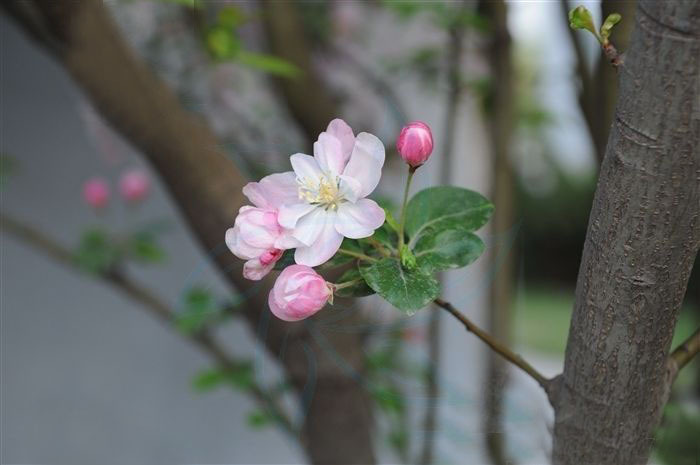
[298,293]
[134,186]
[96,192]
[415,143]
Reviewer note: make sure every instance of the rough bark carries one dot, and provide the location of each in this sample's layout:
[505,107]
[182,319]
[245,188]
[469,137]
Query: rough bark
[500,119]
[207,189]
[643,234]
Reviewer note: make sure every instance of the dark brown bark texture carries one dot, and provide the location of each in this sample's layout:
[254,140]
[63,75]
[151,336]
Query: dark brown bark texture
[206,186]
[643,235]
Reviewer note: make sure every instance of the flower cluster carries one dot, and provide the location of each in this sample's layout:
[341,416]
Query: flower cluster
[312,209]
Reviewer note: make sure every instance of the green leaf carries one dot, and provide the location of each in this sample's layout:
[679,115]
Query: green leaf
[445,207]
[231,17]
[359,287]
[610,21]
[285,260]
[388,398]
[447,248]
[222,43]
[199,309]
[407,290]
[144,247]
[259,419]
[8,166]
[240,376]
[391,221]
[96,253]
[269,64]
[581,18]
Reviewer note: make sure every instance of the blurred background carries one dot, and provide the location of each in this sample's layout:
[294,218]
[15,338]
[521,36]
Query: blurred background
[520,106]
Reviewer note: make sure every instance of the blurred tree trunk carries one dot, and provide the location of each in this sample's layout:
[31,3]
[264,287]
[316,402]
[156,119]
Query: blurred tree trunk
[207,189]
[643,235]
[310,106]
[598,92]
[500,118]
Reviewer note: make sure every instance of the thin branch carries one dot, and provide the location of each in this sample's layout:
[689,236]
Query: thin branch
[357,255]
[150,303]
[684,353]
[499,348]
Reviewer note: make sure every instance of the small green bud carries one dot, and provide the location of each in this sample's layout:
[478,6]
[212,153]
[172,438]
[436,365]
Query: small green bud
[580,18]
[607,26]
[408,260]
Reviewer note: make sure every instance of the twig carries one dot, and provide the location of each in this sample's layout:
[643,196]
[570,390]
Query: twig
[150,303]
[499,348]
[379,246]
[684,353]
[358,255]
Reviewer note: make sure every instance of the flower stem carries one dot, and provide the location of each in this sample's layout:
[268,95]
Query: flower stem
[411,171]
[357,255]
[347,284]
[495,345]
[379,246]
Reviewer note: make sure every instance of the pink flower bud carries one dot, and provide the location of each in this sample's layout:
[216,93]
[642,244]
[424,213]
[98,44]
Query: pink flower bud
[298,293]
[134,186]
[96,192]
[415,143]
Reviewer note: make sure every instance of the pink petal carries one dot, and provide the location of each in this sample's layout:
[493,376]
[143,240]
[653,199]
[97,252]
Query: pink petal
[366,162]
[345,136]
[273,191]
[255,270]
[239,247]
[360,219]
[328,154]
[325,246]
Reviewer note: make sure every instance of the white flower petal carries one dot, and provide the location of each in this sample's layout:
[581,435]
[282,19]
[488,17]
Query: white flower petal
[350,188]
[325,246]
[309,226]
[366,162]
[328,154]
[360,219]
[345,136]
[306,168]
[289,215]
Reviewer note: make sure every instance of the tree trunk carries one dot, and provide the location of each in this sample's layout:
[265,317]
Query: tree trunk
[500,119]
[643,234]
[207,188]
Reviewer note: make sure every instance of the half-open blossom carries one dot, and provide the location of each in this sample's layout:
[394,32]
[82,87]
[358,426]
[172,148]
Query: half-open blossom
[415,143]
[331,190]
[96,192]
[298,293]
[256,235]
[134,186]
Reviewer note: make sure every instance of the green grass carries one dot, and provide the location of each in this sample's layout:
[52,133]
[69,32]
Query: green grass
[542,314]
